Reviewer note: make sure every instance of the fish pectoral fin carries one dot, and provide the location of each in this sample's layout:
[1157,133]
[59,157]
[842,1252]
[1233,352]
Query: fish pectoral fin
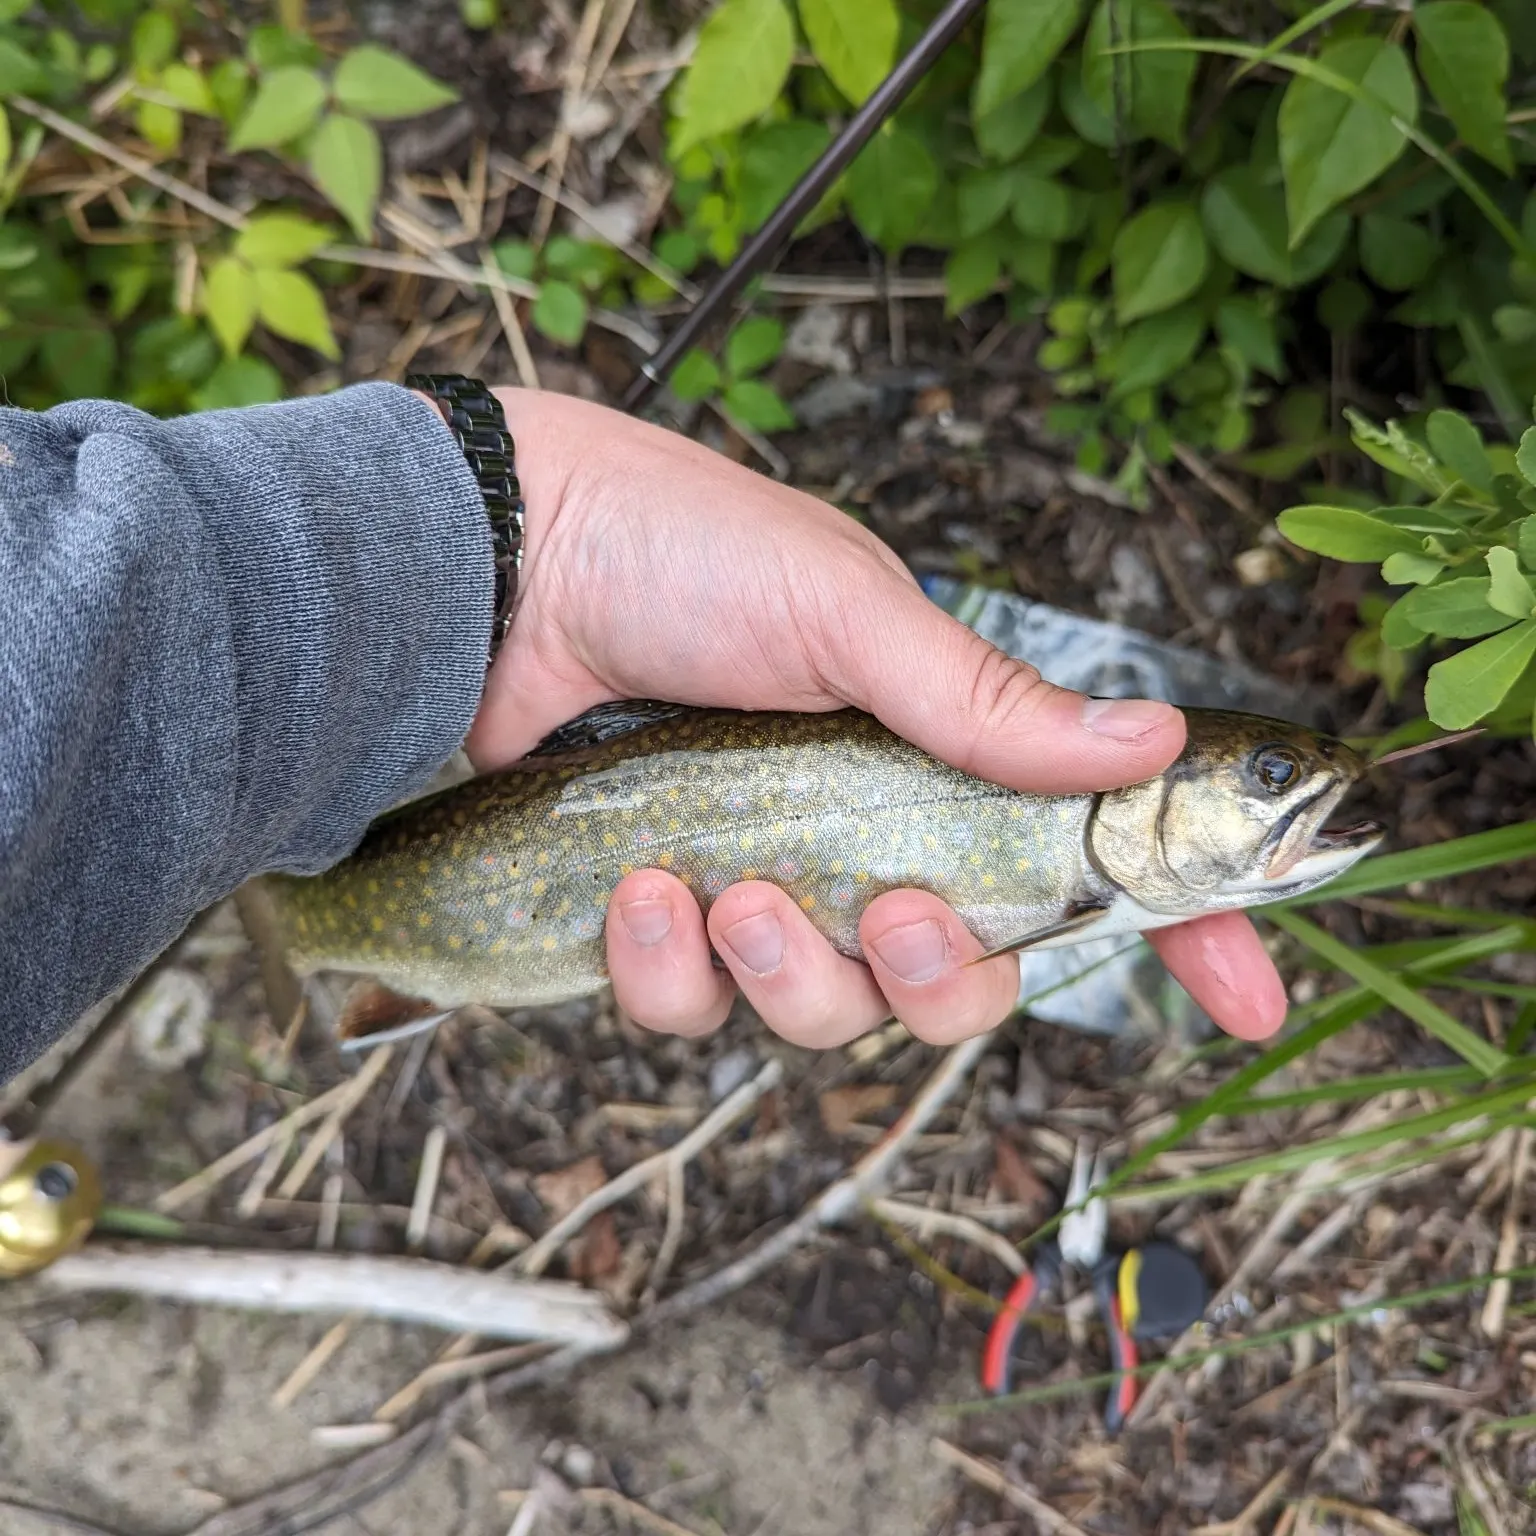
[1076,921]
[372,1014]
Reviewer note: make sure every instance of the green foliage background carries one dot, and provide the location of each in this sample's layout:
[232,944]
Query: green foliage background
[1202,216]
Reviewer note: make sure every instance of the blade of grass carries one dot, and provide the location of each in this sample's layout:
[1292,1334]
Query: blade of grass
[1478,1052]
[1430,1080]
[1520,1030]
[1490,374]
[1439,861]
[1223,1351]
[1316,17]
[1452,917]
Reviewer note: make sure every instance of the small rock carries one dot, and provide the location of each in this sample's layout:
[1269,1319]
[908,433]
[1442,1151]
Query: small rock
[170,1024]
[1427,1503]
[1136,584]
[587,118]
[817,338]
[1258,566]
[1031,1088]
[578,1466]
[618,220]
[729,1072]
[835,398]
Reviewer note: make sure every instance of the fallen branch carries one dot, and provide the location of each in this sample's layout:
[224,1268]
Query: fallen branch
[537,1258]
[398,1289]
[995,1480]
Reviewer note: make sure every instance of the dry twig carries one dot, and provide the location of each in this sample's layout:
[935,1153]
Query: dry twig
[995,1480]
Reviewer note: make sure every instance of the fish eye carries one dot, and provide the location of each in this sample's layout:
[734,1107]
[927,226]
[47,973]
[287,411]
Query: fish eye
[56,1181]
[1277,768]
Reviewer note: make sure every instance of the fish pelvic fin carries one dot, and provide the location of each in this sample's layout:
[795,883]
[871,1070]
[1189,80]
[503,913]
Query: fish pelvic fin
[1077,922]
[371,1014]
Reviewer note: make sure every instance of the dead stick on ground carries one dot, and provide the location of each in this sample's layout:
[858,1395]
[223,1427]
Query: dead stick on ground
[1242,1523]
[575,83]
[1509,1239]
[836,1204]
[923,1220]
[995,1480]
[605,1498]
[512,329]
[536,1260]
[330,1128]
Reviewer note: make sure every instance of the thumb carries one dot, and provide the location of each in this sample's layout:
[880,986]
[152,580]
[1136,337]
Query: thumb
[945,689]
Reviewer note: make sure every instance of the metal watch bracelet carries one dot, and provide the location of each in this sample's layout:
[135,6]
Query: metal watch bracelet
[479,426]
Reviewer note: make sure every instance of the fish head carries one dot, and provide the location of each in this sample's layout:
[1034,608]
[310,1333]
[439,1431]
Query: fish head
[1239,819]
[49,1198]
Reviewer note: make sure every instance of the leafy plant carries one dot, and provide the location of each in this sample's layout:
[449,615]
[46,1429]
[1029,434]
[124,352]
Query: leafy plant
[749,349]
[1180,223]
[1462,543]
[570,274]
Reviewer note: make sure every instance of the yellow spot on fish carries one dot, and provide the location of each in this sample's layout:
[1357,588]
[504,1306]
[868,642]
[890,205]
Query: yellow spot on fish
[373,887]
[424,866]
[626,869]
[457,851]
[549,942]
[498,946]
[836,866]
[674,825]
[493,898]
[1015,812]
[563,909]
[480,925]
[455,942]
[863,829]
[1023,865]
[610,840]
[664,859]
[988,880]
[779,829]
[929,840]
[807,902]
[749,874]
[399,882]
[674,793]
[349,900]
[423,919]
[377,924]
[746,842]
[539,887]
[543,857]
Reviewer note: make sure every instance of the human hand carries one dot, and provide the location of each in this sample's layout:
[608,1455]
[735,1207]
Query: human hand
[654,568]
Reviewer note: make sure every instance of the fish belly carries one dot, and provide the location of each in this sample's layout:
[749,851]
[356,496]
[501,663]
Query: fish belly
[497,893]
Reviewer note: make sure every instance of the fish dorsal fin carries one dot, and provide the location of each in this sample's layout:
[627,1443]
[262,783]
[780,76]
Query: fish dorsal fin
[372,1014]
[1076,922]
[606,722]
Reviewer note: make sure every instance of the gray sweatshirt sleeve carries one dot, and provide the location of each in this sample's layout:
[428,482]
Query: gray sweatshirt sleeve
[226,643]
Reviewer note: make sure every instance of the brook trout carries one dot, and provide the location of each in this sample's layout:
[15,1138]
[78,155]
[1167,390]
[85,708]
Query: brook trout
[494,892]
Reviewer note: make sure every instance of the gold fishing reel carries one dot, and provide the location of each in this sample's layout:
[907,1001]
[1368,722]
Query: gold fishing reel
[50,1195]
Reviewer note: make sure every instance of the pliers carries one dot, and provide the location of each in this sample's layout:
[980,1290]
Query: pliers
[1154,1291]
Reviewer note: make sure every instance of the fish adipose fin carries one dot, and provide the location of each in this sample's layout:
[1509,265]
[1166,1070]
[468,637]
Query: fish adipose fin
[1076,922]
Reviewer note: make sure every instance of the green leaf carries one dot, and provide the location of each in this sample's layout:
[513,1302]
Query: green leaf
[1459,446]
[1009,128]
[583,262]
[1456,610]
[1331,144]
[1154,349]
[80,361]
[229,302]
[286,104]
[696,377]
[1465,687]
[229,84]
[753,345]
[19,71]
[348,166]
[1032,261]
[516,258]
[1153,88]
[290,305]
[1022,38]
[560,313]
[982,198]
[373,82]
[854,41]
[1464,58]
[1527,542]
[972,272]
[280,240]
[1048,210]
[159,124]
[1525,455]
[1394,450]
[239,381]
[1245,219]
[890,186]
[188,88]
[1248,328]
[1342,533]
[772,160]
[1403,569]
[755,405]
[154,40]
[272,47]
[738,70]
[1396,253]
[1160,257]
[1398,631]
[1508,591]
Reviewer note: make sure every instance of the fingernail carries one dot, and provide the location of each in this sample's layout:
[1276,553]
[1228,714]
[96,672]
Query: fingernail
[914,953]
[1124,719]
[757,941]
[646,922]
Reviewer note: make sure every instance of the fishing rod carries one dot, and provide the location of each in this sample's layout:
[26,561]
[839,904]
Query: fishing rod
[759,252]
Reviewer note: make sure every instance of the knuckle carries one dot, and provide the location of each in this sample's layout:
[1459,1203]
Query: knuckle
[1004,693]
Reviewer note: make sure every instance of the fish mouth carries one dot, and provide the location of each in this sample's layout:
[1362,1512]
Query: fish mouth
[1304,850]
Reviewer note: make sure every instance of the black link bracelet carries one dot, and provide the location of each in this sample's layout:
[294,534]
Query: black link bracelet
[479,426]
